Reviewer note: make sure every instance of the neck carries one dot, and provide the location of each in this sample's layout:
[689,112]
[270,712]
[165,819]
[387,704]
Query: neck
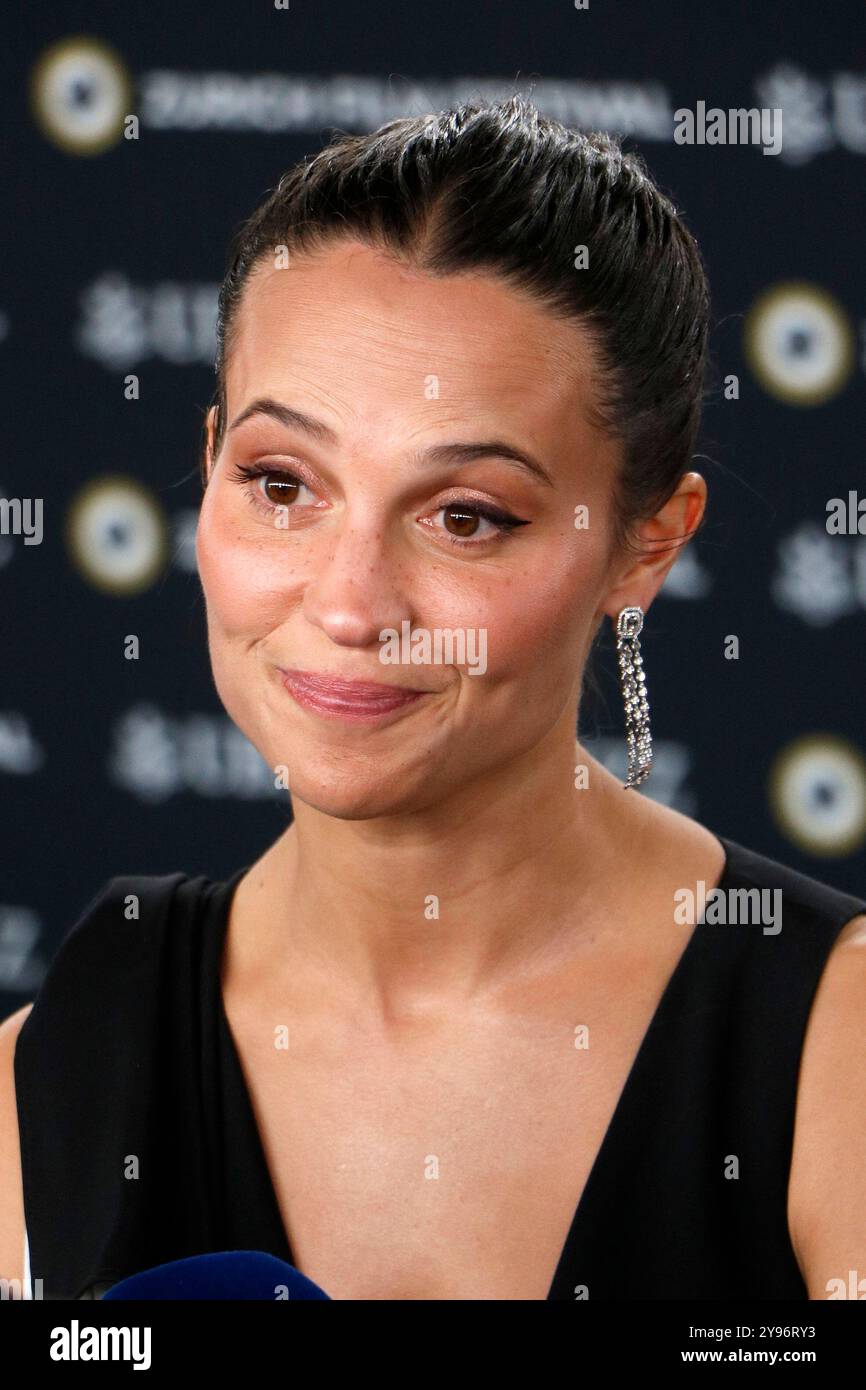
[433,909]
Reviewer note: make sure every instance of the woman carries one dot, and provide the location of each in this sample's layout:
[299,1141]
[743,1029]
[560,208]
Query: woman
[452,1035]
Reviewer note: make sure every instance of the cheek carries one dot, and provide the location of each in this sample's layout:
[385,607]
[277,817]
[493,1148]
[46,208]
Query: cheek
[536,616]
[246,578]
[237,582]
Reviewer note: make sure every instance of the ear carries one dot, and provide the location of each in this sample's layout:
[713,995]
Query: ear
[637,580]
[209,434]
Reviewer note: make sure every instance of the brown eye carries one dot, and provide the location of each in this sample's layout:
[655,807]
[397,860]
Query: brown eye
[465,523]
[280,489]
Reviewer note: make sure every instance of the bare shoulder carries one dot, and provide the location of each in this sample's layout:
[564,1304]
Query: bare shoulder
[680,847]
[11,1193]
[827,1186]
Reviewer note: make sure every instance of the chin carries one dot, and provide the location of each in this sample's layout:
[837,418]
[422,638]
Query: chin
[356,797]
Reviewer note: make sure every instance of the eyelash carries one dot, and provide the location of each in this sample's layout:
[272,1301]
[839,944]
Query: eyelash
[503,521]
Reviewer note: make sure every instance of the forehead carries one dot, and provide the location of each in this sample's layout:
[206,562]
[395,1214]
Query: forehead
[362,332]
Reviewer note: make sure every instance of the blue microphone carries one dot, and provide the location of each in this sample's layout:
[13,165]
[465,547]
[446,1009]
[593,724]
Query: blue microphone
[229,1274]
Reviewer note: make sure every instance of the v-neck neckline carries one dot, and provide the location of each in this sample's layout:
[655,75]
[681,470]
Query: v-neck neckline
[618,1115]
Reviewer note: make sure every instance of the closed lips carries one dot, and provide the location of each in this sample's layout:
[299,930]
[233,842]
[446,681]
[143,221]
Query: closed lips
[346,691]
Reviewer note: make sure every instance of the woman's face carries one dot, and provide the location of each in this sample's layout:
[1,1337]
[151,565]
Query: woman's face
[364,526]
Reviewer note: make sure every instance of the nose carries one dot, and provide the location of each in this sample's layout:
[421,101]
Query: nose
[357,585]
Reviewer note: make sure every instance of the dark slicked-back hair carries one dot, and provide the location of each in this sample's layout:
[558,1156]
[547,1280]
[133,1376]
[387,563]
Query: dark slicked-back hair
[495,186]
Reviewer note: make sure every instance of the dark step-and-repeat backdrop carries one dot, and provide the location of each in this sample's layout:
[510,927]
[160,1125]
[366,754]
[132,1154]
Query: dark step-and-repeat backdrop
[137,136]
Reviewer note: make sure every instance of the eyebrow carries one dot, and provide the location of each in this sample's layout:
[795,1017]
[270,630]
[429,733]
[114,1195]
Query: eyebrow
[436,454]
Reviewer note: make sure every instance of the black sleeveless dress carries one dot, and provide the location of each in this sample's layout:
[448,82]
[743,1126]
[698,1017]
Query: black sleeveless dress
[139,1143]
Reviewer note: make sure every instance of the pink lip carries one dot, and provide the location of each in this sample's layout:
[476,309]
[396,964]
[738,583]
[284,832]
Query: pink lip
[346,699]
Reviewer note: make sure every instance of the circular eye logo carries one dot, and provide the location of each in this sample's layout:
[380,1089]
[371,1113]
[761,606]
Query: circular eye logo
[80,93]
[818,794]
[799,343]
[117,535]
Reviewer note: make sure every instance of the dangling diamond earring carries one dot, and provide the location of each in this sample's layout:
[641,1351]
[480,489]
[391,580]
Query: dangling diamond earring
[633,683]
